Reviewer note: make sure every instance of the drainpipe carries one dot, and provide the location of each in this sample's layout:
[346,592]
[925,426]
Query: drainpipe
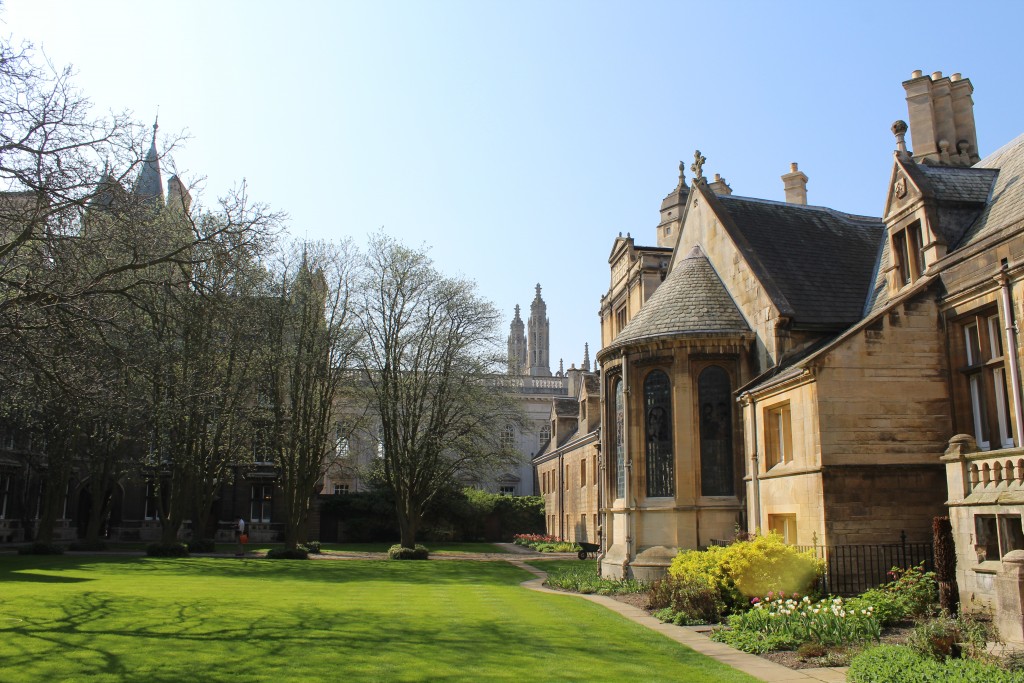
[755,489]
[1011,351]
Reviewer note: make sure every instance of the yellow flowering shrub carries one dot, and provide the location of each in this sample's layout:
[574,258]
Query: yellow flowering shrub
[766,564]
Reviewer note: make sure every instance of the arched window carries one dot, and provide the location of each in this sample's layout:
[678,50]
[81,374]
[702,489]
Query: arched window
[545,435]
[620,456]
[714,395]
[658,423]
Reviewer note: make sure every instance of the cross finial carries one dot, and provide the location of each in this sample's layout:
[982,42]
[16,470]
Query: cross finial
[697,166]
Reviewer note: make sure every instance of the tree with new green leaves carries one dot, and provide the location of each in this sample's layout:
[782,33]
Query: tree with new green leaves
[430,349]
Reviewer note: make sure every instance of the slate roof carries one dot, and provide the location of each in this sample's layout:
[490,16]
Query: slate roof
[566,407]
[816,263]
[691,300]
[592,383]
[1006,206]
[958,184]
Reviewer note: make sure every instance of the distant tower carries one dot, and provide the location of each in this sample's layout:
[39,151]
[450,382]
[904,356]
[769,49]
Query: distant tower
[149,185]
[537,338]
[586,358]
[517,346]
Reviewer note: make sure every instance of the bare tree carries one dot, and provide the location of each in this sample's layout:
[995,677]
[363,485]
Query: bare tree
[431,346]
[311,337]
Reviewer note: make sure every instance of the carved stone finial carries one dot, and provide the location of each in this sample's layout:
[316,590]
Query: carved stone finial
[899,129]
[682,175]
[698,166]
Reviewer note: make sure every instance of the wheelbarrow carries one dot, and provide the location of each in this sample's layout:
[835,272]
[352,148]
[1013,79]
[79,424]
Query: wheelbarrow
[587,550]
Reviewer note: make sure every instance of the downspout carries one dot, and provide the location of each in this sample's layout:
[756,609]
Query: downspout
[1011,351]
[755,480]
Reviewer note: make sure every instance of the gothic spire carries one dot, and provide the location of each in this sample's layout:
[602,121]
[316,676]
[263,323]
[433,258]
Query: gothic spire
[586,357]
[149,185]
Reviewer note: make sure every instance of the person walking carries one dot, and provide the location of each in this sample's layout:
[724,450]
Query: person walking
[242,537]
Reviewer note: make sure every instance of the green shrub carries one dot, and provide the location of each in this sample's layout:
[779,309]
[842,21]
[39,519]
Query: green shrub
[556,547]
[399,552]
[944,636]
[889,663]
[312,547]
[912,593]
[202,545]
[85,546]
[38,548]
[287,554]
[686,602]
[167,550]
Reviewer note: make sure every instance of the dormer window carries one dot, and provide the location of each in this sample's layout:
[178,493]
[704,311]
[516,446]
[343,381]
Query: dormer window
[908,253]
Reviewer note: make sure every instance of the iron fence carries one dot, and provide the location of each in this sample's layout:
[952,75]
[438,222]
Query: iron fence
[854,568]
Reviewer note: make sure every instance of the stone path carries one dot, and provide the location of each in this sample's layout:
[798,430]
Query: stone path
[692,637]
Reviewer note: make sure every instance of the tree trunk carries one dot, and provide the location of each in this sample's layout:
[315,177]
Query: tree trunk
[408,524]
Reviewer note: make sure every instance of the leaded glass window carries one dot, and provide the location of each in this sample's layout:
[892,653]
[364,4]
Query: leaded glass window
[714,394]
[620,455]
[658,421]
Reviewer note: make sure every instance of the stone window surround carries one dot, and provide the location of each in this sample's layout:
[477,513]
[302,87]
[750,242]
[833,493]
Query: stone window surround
[978,357]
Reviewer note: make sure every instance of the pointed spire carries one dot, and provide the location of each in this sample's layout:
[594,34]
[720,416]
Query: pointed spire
[561,368]
[586,357]
[149,185]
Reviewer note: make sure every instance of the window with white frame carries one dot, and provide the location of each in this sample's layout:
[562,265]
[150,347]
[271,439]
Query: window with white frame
[778,435]
[508,436]
[996,535]
[545,435]
[980,350]
[340,489]
[506,490]
[261,499]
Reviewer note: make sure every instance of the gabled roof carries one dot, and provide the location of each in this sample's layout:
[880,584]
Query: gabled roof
[1006,206]
[692,301]
[816,263]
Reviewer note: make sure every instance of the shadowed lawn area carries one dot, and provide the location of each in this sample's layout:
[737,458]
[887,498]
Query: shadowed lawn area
[208,619]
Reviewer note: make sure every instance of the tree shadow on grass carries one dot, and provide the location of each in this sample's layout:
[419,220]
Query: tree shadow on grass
[102,635]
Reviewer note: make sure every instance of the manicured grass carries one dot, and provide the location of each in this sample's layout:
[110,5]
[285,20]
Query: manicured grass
[209,619]
[551,566]
[441,548]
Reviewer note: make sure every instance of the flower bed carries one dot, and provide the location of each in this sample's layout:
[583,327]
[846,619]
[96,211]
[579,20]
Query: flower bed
[544,543]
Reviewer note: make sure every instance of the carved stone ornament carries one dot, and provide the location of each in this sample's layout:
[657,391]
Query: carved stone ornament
[900,187]
[698,166]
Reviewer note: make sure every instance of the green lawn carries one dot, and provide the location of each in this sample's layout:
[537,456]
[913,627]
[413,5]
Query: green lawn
[209,619]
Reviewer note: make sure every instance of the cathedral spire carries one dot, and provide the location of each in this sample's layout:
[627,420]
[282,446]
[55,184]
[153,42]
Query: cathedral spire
[586,357]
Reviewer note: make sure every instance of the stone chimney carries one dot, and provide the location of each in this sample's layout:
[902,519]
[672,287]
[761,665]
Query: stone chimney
[719,186]
[942,119]
[795,184]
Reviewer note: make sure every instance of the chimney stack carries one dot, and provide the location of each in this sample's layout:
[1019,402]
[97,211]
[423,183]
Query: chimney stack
[942,119]
[795,184]
[719,186]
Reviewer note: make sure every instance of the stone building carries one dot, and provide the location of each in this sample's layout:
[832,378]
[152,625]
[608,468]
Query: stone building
[799,369]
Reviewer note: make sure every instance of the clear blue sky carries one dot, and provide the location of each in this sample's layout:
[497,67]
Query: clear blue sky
[517,139]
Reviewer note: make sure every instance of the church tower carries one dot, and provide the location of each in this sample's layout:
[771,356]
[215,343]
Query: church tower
[537,338]
[517,346]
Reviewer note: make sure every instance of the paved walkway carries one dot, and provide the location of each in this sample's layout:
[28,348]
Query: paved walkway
[692,637]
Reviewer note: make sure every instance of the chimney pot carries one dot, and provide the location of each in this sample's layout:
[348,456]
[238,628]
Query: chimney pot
[936,75]
[792,167]
[917,73]
[955,77]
